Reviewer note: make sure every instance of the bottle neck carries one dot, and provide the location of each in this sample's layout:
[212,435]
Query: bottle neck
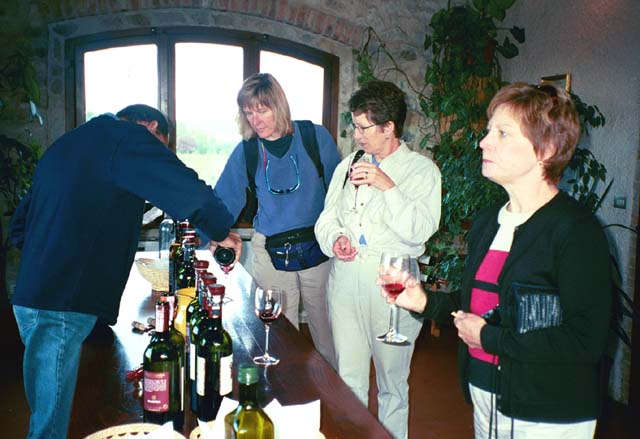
[215,312]
[162,322]
[170,298]
[189,258]
[248,394]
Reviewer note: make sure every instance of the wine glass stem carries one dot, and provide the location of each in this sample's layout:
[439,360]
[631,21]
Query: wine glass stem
[394,318]
[266,341]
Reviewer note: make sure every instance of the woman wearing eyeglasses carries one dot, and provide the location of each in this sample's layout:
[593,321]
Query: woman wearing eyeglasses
[534,307]
[290,193]
[388,202]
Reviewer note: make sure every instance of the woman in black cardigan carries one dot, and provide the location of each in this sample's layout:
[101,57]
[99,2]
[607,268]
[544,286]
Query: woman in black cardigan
[533,310]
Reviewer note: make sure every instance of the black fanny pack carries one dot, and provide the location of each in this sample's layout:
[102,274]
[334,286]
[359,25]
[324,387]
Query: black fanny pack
[295,250]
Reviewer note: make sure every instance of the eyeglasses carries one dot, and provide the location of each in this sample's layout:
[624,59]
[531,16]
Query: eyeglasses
[360,129]
[283,191]
[549,90]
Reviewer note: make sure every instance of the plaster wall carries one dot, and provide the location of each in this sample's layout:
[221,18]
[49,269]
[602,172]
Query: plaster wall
[597,42]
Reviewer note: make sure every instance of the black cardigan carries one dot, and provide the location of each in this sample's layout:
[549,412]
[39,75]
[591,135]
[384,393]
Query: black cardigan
[551,374]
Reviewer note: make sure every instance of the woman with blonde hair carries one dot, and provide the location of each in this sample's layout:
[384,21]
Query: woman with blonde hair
[290,190]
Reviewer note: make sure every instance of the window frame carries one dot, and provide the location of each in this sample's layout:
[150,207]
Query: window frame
[166,37]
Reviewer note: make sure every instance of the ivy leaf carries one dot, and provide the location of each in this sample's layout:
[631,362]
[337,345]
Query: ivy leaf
[427,41]
[494,10]
[508,49]
[517,33]
[480,5]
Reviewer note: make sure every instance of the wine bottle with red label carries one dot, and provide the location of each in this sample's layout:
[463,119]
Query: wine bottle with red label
[163,375]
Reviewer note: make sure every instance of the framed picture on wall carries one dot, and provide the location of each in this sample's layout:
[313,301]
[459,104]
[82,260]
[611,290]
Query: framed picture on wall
[562,80]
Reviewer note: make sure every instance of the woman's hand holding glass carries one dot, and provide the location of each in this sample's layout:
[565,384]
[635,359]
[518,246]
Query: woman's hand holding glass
[358,176]
[413,298]
[367,173]
[394,272]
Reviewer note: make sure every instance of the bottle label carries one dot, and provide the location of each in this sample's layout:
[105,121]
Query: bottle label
[192,362]
[200,375]
[226,377]
[156,391]
[182,395]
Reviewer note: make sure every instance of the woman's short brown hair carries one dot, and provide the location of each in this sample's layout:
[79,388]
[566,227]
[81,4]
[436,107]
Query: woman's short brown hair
[263,89]
[548,118]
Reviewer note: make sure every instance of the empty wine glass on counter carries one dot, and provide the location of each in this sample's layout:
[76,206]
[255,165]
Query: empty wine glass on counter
[268,306]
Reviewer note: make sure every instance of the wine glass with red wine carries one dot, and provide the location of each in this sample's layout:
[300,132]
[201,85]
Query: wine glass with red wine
[268,305]
[394,271]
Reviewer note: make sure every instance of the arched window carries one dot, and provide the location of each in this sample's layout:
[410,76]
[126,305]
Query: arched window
[193,75]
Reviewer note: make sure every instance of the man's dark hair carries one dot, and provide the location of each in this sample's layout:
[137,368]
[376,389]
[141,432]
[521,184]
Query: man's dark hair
[145,113]
[381,101]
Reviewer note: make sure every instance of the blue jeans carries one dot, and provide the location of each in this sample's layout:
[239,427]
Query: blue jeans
[53,341]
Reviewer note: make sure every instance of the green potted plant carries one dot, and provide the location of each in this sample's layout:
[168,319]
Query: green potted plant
[467,45]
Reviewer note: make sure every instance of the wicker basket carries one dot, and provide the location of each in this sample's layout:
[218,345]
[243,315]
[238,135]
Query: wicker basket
[126,431]
[156,271]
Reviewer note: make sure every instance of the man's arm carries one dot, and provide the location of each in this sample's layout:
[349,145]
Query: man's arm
[145,167]
[16,227]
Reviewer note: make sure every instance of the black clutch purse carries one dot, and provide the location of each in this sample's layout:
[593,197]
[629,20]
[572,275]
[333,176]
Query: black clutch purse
[536,307]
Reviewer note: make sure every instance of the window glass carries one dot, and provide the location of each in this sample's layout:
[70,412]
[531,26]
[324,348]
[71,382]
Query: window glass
[208,77]
[200,80]
[120,76]
[302,83]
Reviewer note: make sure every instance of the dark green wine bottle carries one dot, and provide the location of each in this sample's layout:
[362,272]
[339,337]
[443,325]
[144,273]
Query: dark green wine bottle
[196,312]
[248,420]
[177,339]
[214,359]
[162,391]
[186,270]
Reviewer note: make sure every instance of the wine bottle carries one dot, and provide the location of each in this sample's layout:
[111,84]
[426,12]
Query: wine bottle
[175,253]
[214,359]
[162,375]
[173,250]
[198,312]
[186,271]
[186,289]
[225,258]
[176,338]
[195,306]
[166,236]
[248,420]
[203,278]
